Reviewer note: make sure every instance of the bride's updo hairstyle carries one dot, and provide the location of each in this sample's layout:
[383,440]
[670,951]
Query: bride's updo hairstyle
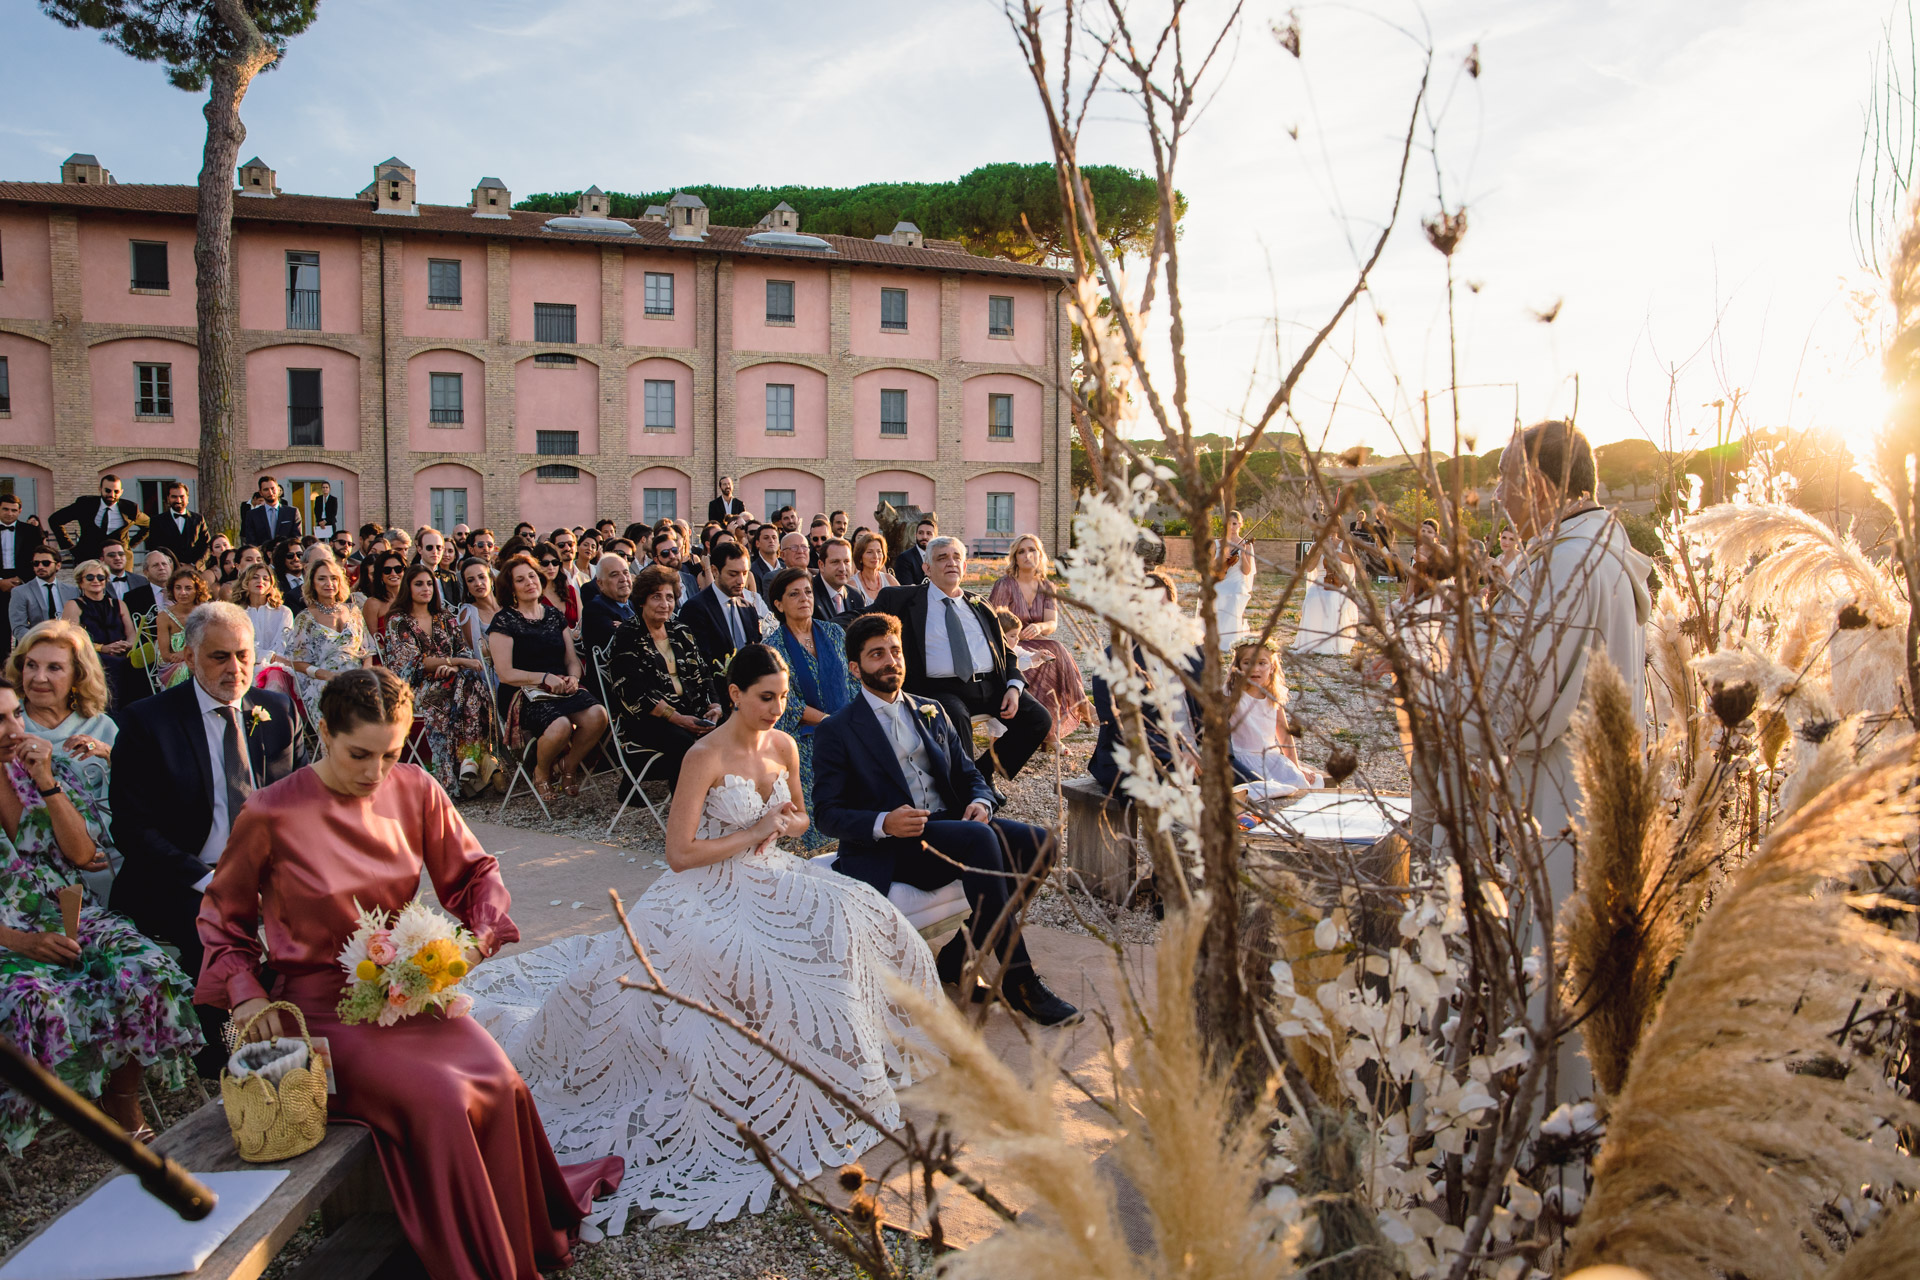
[364,695]
[751,665]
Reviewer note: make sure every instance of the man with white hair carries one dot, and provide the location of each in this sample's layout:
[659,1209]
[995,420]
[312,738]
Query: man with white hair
[611,604]
[794,551]
[957,656]
[185,762]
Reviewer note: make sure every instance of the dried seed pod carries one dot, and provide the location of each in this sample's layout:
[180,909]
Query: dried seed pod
[852,1177]
[1341,764]
[1734,702]
[863,1207]
[1852,618]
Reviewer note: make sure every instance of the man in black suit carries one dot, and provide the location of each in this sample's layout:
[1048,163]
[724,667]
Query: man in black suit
[326,510]
[611,603]
[121,581]
[273,519]
[723,618]
[666,553]
[179,530]
[910,566]
[957,656]
[726,504]
[766,556]
[189,758]
[102,518]
[831,599]
[18,541]
[893,784]
[157,570]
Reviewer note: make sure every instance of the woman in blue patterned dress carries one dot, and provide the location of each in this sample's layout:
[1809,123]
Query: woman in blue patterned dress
[816,653]
[96,1009]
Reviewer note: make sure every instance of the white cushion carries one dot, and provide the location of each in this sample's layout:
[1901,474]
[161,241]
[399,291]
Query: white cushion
[922,907]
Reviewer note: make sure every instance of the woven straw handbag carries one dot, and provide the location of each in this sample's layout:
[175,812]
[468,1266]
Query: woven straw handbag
[272,1122]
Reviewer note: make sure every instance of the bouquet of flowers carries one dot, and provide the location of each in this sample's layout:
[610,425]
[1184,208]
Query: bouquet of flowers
[404,964]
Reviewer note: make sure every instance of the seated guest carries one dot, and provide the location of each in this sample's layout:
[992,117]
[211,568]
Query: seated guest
[817,535]
[910,566]
[870,574]
[833,597]
[431,550]
[816,654]
[380,582]
[259,595]
[1054,675]
[58,675]
[554,587]
[120,582]
[96,1009]
[539,671]
[105,618]
[289,563]
[40,598]
[328,637]
[793,551]
[473,1179]
[1263,748]
[1102,765]
[227,570]
[659,678]
[893,784]
[955,655]
[158,569]
[186,591]
[426,647]
[668,554]
[766,556]
[203,746]
[611,605]
[476,615]
[722,618]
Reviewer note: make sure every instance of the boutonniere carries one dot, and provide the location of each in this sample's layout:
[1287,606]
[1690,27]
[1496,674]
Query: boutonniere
[929,710]
[257,716]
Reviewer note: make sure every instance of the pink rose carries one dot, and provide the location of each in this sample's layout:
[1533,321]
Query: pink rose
[396,997]
[380,948]
[460,1006]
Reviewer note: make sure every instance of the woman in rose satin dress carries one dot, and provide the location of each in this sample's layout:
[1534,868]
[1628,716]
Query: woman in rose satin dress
[474,1181]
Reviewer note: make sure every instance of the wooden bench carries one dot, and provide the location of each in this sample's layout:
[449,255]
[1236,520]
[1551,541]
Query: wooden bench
[340,1178]
[1101,836]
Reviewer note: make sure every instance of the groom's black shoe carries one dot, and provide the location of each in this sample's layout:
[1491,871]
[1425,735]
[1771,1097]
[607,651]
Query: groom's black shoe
[1028,996]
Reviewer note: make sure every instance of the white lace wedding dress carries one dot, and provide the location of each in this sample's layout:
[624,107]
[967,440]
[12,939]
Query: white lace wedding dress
[791,950]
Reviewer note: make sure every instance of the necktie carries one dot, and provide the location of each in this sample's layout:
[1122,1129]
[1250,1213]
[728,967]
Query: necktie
[53,608]
[733,620]
[957,641]
[104,508]
[238,768]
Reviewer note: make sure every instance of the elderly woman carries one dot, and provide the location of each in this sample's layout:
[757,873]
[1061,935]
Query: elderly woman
[97,1006]
[532,647]
[185,591]
[660,686]
[106,621]
[65,691]
[328,637]
[870,572]
[1054,676]
[816,654]
[426,647]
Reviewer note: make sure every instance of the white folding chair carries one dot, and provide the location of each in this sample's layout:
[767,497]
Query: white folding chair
[505,754]
[620,752]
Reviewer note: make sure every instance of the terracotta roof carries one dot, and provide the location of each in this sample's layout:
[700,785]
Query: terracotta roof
[518,224]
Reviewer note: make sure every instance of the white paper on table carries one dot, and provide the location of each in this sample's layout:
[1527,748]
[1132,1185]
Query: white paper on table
[120,1232]
[1335,817]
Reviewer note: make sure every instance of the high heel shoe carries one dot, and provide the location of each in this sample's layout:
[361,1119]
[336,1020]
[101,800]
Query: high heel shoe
[543,787]
[570,782]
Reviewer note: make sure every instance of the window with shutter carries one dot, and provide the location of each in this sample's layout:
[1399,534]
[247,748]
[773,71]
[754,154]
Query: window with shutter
[153,391]
[1000,417]
[303,290]
[779,302]
[659,293]
[443,282]
[448,403]
[304,414]
[779,408]
[893,309]
[659,404]
[893,412]
[150,265]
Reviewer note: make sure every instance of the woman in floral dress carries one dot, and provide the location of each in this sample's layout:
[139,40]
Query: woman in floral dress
[98,1009]
[1054,678]
[425,647]
[328,637]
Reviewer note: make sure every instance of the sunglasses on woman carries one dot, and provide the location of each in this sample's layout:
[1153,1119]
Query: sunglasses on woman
[93,577]
[393,571]
[549,564]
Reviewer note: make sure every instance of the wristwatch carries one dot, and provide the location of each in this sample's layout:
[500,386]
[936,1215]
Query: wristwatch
[48,793]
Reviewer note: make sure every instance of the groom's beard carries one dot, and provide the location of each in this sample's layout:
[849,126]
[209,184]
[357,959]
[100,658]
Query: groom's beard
[886,683]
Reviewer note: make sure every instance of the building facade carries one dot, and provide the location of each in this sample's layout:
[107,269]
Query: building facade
[439,365]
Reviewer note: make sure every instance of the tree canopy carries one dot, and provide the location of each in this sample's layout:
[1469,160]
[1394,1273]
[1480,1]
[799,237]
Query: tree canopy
[984,210]
[187,36]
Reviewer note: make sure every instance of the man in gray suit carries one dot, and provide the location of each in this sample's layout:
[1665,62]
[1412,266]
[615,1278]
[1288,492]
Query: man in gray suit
[39,598]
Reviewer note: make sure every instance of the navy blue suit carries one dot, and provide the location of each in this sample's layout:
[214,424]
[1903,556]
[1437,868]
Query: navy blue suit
[857,777]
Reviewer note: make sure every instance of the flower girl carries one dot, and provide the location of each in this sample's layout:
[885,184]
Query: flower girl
[1263,748]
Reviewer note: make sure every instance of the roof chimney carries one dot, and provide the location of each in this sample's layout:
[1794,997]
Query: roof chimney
[783,217]
[258,180]
[80,169]
[392,188]
[655,213]
[686,217]
[904,234]
[491,199]
[592,203]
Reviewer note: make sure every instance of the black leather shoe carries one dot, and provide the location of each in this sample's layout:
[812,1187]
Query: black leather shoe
[999,798]
[1034,1000]
[951,961]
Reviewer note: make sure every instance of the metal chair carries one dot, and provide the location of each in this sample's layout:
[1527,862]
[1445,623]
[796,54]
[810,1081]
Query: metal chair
[505,753]
[620,755]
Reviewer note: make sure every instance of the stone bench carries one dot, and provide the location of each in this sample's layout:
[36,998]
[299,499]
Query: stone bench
[1100,839]
[340,1178]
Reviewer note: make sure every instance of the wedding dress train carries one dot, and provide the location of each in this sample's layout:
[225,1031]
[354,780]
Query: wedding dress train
[791,950]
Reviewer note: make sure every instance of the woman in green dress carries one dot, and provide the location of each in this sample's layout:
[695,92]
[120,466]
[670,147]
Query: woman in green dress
[96,1008]
[816,654]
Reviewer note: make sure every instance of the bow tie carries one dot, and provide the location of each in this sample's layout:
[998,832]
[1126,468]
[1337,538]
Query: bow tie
[8,528]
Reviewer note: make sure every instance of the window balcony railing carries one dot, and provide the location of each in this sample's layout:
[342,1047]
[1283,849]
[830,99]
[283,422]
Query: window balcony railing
[899,326]
[447,415]
[1000,331]
[890,427]
[443,299]
[160,284]
[779,317]
[304,429]
[303,308]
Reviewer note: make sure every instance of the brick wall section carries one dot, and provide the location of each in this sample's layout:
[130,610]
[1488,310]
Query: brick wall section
[387,465]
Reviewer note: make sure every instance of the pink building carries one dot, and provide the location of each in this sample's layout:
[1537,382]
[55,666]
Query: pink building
[443,364]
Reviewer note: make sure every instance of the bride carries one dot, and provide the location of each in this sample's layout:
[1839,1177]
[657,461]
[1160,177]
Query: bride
[793,951]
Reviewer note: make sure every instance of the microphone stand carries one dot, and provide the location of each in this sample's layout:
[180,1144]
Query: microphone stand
[163,1179]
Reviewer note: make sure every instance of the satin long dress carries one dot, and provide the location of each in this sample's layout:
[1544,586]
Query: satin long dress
[474,1181]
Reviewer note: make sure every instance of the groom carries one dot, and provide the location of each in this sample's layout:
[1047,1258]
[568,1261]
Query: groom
[893,783]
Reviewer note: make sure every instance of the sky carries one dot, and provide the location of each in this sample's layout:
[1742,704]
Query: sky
[1677,179]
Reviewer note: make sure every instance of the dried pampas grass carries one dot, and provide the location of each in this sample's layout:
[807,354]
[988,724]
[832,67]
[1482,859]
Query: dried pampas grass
[1641,877]
[1719,1154]
[1801,560]
[1197,1169]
